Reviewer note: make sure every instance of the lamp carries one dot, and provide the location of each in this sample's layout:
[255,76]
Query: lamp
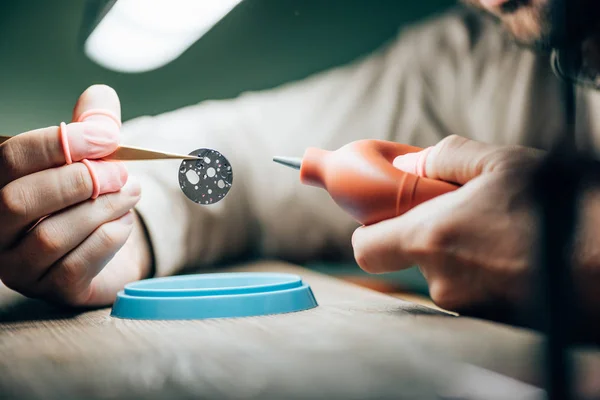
[142,35]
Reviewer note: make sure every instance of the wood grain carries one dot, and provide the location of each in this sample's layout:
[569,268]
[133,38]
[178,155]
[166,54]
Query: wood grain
[357,344]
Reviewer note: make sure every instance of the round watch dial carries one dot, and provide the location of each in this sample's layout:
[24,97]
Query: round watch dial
[206,180]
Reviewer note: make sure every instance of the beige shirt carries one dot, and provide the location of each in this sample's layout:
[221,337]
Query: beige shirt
[455,74]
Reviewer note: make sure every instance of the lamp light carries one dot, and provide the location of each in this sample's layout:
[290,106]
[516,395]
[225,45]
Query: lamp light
[142,35]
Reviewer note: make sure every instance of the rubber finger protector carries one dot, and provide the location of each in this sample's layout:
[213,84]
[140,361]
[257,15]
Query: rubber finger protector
[421,163]
[62,131]
[82,118]
[95,181]
[102,112]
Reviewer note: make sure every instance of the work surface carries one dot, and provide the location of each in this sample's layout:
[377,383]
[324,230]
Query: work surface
[356,344]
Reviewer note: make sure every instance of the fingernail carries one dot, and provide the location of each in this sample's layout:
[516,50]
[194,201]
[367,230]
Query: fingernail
[132,187]
[92,139]
[413,163]
[355,234]
[407,162]
[111,176]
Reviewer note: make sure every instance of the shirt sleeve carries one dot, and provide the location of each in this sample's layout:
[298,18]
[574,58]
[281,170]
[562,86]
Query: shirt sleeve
[268,211]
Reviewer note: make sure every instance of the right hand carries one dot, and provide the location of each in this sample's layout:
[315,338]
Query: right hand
[54,240]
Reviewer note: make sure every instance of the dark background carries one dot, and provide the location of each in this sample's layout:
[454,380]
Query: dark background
[260,44]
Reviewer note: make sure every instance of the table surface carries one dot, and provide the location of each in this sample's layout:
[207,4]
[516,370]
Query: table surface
[357,343]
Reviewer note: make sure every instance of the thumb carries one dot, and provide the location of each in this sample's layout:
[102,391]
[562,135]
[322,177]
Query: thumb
[454,159]
[389,245]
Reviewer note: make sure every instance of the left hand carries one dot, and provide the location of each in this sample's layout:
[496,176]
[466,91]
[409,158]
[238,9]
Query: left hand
[472,245]
[56,242]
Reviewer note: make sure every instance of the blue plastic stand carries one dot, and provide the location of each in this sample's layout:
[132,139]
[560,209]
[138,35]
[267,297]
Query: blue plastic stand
[223,295]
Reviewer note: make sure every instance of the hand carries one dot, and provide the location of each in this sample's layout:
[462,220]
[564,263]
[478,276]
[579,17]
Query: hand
[55,242]
[472,245]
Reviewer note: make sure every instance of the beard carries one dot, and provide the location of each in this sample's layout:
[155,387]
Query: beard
[570,29]
[547,24]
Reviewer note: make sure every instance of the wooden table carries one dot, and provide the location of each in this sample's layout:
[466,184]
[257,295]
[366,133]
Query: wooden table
[357,344]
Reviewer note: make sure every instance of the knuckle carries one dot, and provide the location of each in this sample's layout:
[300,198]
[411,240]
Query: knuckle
[13,202]
[108,238]
[47,239]
[516,157]
[110,204]
[69,283]
[450,145]
[69,275]
[438,238]
[9,159]
[81,181]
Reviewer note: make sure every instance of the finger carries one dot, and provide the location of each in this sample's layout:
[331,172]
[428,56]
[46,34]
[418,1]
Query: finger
[30,152]
[69,279]
[382,247]
[128,266]
[98,97]
[97,121]
[454,159]
[34,196]
[41,149]
[57,235]
[408,240]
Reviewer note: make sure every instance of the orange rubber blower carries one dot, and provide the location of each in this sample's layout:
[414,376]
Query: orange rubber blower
[361,178]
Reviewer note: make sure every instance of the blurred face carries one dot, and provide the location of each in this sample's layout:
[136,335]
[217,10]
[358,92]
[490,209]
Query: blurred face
[543,23]
[570,26]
